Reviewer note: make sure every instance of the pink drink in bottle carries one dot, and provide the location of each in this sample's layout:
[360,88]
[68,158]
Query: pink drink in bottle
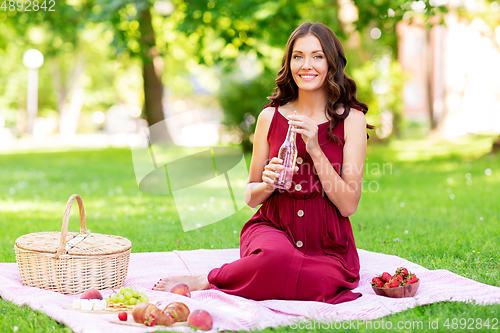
[288,154]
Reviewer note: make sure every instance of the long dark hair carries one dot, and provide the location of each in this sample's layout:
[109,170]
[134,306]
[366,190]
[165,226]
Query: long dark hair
[341,88]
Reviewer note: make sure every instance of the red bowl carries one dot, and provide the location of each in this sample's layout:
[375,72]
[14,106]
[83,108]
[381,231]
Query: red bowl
[398,292]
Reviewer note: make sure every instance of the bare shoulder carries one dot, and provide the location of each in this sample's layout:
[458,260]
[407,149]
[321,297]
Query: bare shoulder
[356,117]
[265,117]
[267,113]
[355,123]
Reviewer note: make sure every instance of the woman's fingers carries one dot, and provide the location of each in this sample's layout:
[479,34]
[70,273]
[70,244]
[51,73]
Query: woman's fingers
[276,160]
[272,174]
[301,121]
[307,128]
[272,171]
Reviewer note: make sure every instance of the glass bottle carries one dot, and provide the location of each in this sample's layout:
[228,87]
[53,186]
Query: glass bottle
[288,154]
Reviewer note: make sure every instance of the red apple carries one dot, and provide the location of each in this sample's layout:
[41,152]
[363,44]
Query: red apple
[181,289]
[91,294]
[200,320]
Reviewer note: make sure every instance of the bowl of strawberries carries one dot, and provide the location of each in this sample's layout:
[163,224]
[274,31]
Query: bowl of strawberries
[401,284]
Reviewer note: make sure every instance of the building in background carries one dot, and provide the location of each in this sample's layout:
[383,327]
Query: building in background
[454,70]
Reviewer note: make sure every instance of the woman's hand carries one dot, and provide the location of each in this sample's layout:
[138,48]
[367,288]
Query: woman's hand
[308,130]
[272,171]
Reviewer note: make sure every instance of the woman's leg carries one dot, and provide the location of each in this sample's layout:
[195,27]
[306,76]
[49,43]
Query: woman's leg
[194,282]
[268,269]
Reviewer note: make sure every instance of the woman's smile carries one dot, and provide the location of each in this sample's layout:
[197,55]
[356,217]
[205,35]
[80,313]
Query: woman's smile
[307,77]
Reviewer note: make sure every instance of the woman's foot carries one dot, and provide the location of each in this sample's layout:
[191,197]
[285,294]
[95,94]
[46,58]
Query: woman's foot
[196,282]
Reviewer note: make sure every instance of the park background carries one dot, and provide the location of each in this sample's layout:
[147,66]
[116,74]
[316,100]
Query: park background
[429,71]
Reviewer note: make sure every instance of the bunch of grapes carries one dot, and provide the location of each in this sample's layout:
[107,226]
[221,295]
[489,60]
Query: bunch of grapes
[128,296]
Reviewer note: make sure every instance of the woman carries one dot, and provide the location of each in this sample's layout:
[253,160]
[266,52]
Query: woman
[299,245]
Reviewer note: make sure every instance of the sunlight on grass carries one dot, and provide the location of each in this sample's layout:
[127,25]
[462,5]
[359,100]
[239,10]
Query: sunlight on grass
[470,146]
[11,205]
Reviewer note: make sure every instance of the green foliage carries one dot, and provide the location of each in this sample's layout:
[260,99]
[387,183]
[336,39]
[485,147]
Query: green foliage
[65,37]
[242,100]
[385,14]
[123,17]
[224,30]
[380,86]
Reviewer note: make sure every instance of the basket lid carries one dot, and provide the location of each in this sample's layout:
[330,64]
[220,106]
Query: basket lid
[91,245]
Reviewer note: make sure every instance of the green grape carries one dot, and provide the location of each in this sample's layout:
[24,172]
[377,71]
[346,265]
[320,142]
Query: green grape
[126,302]
[129,289]
[108,299]
[135,293]
[143,299]
[121,299]
[127,294]
[114,298]
[122,290]
[132,301]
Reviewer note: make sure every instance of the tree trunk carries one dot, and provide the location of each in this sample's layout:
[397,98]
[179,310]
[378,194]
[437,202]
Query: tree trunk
[496,146]
[153,88]
[428,77]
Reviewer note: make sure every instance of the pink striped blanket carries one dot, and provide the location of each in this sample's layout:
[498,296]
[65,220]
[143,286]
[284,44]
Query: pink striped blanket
[231,313]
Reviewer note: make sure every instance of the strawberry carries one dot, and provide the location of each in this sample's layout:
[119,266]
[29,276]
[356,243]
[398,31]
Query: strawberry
[376,282]
[385,277]
[122,316]
[386,285]
[402,271]
[398,277]
[149,320]
[412,278]
[393,283]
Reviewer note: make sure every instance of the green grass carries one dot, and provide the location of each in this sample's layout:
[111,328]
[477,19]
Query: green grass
[429,202]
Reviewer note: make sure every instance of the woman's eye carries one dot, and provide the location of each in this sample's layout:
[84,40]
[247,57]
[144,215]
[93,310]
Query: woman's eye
[298,57]
[318,57]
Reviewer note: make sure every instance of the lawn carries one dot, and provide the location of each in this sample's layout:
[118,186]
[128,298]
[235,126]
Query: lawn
[434,203]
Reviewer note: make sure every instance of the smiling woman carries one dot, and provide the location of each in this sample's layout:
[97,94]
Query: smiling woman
[300,245]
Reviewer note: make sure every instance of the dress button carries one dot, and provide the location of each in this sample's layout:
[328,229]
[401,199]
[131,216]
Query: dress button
[298,187]
[300,244]
[300,213]
[299,160]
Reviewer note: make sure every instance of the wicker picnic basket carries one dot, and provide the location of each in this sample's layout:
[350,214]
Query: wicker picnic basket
[70,262]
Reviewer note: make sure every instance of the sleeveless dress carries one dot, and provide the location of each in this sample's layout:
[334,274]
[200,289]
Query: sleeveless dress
[297,246]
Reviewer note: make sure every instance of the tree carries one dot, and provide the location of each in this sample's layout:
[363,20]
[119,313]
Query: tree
[132,24]
[54,33]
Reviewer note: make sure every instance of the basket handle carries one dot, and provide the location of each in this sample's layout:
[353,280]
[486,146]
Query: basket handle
[64,228]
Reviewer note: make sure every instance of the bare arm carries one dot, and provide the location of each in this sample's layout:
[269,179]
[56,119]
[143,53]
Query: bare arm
[343,191]
[259,187]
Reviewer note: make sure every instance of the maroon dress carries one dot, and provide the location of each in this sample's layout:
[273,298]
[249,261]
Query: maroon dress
[297,246]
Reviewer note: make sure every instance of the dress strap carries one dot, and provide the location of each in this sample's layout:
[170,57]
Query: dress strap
[272,103]
[274,120]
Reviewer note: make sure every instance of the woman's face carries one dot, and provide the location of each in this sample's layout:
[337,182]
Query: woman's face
[308,65]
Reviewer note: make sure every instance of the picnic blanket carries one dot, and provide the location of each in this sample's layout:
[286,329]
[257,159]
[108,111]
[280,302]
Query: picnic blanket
[232,313]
